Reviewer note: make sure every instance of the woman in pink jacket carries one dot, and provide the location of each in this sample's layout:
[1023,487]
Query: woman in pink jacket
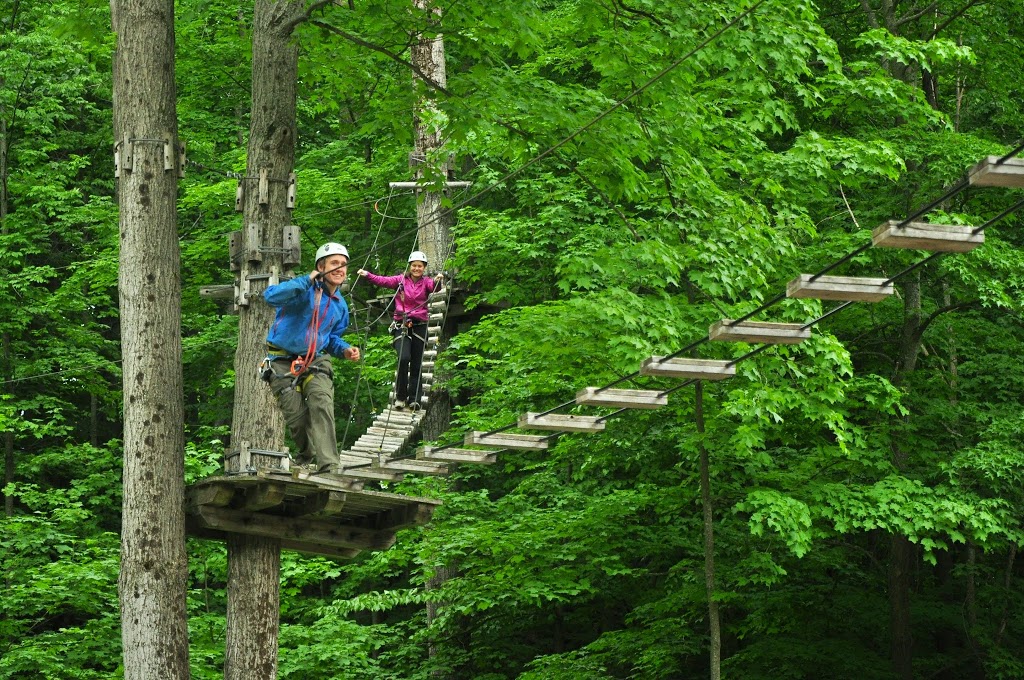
[409,329]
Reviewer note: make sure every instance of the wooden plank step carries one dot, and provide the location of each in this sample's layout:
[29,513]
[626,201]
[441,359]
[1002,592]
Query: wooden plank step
[507,441]
[560,422]
[436,306]
[392,416]
[941,238]
[429,355]
[457,455]
[991,173]
[844,288]
[436,317]
[438,295]
[434,330]
[759,331]
[685,367]
[390,429]
[375,446]
[372,474]
[412,465]
[646,399]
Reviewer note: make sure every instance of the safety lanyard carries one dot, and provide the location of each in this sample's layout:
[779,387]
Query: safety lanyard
[316,321]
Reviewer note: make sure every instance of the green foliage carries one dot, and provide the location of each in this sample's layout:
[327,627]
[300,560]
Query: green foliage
[771,151]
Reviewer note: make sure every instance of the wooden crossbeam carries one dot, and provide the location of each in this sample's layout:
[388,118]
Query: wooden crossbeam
[646,399]
[218,495]
[457,455]
[940,238]
[265,495]
[507,441]
[560,422]
[686,368]
[320,503]
[991,173]
[844,288]
[759,331]
[304,530]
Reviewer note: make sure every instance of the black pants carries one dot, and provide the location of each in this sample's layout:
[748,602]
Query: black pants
[408,343]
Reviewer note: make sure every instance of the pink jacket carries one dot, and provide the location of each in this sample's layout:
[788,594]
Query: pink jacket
[411,299]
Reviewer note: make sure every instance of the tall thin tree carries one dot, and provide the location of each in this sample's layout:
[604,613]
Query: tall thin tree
[254,562]
[154,569]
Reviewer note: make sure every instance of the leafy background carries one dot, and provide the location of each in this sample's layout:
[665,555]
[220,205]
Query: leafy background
[771,151]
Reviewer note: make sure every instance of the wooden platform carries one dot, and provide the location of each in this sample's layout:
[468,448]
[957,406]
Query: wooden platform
[759,331]
[991,173]
[315,514]
[940,238]
[686,368]
[843,288]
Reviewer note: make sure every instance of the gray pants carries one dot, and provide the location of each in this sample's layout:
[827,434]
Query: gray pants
[309,410]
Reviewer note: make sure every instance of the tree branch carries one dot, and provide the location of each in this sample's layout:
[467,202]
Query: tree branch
[943,310]
[383,50]
[914,16]
[305,16]
[952,17]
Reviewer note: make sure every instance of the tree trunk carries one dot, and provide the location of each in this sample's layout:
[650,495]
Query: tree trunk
[253,610]
[5,339]
[714,625]
[429,157]
[902,551]
[152,584]
[431,161]
[253,594]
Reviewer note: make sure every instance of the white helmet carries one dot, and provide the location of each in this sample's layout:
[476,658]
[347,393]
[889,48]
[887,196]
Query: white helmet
[418,256]
[331,249]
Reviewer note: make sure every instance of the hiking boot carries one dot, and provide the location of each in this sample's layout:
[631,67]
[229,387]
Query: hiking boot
[399,405]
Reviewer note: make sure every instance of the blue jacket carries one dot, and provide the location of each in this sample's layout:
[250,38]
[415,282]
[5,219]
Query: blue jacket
[294,302]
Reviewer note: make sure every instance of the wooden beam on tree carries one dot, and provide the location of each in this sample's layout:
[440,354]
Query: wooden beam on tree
[689,369]
[942,238]
[843,288]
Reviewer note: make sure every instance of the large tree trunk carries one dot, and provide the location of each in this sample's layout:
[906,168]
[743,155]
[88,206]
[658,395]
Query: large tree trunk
[253,594]
[152,583]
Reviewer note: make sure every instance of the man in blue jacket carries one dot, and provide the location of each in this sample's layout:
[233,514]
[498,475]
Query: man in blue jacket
[311,318]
